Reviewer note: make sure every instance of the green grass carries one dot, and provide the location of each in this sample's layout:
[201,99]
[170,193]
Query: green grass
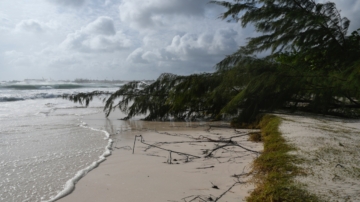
[275,169]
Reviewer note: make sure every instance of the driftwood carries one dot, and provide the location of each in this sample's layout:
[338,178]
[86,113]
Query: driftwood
[218,198]
[209,198]
[227,143]
[236,183]
[171,151]
[221,143]
[205,167]
[194,197]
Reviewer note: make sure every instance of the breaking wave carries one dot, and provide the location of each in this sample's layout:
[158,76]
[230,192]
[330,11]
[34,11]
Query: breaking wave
[51,86]
[28,97]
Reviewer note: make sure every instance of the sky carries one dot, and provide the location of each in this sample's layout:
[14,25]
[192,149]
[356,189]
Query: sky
[119,39]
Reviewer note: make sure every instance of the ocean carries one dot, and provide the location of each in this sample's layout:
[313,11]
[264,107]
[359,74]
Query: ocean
[45,145]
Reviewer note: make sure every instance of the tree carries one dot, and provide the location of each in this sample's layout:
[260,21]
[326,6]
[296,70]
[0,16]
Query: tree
[170,96]
[313,63]
[313,66]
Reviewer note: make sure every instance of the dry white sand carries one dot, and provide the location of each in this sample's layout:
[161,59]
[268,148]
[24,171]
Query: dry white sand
[331,148]
[147,174]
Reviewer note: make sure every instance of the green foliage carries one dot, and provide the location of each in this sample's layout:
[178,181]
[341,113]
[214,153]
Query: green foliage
[195,96]
[170,96]
[137,98]
[314,66]
[289,24]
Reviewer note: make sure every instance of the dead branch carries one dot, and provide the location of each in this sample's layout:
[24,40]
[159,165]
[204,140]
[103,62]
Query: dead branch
[198,197]
[241,175]
[209,139]
[195,197]
[205,167]
[217,148]
[214,186]
[247,149]
[180,153]
[166,133]
[247,134]
[170,159]
[230,143]
[186,197]
[124,147]
[227,190]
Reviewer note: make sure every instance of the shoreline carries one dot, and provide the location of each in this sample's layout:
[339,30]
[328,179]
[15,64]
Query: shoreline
[71,183]
[148,175]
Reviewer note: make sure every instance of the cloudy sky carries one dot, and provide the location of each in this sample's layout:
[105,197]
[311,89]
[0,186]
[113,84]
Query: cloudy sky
[119,39]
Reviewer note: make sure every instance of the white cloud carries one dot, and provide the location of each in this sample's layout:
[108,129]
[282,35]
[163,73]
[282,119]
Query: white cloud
[146,14]
[30,25]
[187,53]
[97,36]
[107,2]
[5,24]
[204,45]
[102,26]
[17,58]
[11,53]
[64,60]
[141,56]
[69,3]
[136,56]
[138,38]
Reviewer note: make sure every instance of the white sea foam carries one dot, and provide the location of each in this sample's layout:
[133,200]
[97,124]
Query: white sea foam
[70,184]
[32,116]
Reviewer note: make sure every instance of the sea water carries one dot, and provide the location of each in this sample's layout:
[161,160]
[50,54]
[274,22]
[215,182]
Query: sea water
[45,146]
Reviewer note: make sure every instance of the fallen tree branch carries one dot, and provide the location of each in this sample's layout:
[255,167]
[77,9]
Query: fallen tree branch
[198,197]
[180,153]
[247,149]
[217,148]
[205,167]
[227,190]
[230,143]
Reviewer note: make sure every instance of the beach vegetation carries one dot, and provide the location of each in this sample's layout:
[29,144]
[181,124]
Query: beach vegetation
[255,137]
[312,64]
[275,169]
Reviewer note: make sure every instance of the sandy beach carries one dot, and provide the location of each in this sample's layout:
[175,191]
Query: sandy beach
[148,175]
[327,145]
[330,149]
